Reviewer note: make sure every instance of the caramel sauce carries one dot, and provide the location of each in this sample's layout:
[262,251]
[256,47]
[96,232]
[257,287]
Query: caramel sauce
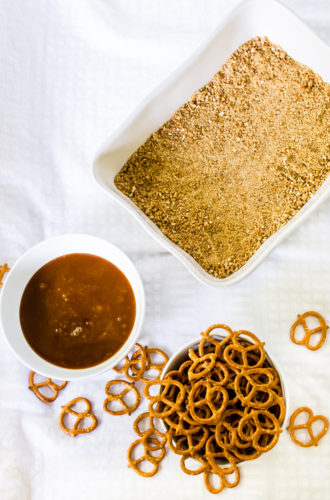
[77,310]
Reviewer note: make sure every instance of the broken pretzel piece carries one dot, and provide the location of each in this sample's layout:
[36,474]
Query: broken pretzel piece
[3,270]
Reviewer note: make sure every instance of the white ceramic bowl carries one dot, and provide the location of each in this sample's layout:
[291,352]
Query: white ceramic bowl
[182,355]
[249,19]
[23,270]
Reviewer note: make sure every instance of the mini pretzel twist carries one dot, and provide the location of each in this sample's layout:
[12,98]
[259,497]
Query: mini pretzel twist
[3,270]
[73,431]
[152,440]
[321,328]
[314,440]
[165,397]
[225,434]
[212,337]
[207,481]
[256,393]
[261,428]
[215,399]
[152,444]
[156,367]
[180,422]
[220,471]
[55,388]
[151,427]
[137,365]
[126,408]
[146,457]
[201,366]
[188,443]
[242,351]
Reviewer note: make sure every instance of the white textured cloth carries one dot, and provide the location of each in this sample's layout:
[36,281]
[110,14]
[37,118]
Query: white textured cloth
[71,71]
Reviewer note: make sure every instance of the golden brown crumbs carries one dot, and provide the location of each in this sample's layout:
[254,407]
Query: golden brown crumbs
[238,160]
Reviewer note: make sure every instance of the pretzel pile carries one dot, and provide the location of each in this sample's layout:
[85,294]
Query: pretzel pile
[222,405]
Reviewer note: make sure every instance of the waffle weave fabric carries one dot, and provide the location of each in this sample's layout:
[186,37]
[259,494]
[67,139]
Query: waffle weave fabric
[71,72]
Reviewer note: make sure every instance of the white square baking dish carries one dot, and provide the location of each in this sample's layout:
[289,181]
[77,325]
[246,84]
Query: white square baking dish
[249,19]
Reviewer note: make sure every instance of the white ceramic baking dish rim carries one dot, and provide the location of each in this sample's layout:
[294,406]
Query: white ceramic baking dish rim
[117,140]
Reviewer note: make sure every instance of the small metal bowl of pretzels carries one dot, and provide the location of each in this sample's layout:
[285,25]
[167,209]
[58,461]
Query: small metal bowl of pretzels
[222,400]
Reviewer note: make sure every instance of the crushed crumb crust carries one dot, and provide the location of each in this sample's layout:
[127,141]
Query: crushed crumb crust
[238,161]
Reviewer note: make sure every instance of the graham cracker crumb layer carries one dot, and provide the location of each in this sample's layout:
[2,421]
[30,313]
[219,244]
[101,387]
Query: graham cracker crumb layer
[238,161]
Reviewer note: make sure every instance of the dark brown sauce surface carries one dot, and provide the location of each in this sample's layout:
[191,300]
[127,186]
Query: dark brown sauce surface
[77,310]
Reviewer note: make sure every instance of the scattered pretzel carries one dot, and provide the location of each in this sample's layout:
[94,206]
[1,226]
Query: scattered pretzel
[322,329]
[135,463]
[139,363]
[73,431]
[221,473]
[151,366]
[314,440]
[129,387]
[55,388]
[3,270]
[152,440]
[135,367]
[208,474]
[151,425]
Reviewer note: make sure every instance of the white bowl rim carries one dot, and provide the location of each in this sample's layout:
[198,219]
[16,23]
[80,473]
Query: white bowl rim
[77,240]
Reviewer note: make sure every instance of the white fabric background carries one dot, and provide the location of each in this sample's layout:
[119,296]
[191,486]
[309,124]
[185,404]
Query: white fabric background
[70,72]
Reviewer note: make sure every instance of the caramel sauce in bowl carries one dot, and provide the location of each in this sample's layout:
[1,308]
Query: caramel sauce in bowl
[72,307]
